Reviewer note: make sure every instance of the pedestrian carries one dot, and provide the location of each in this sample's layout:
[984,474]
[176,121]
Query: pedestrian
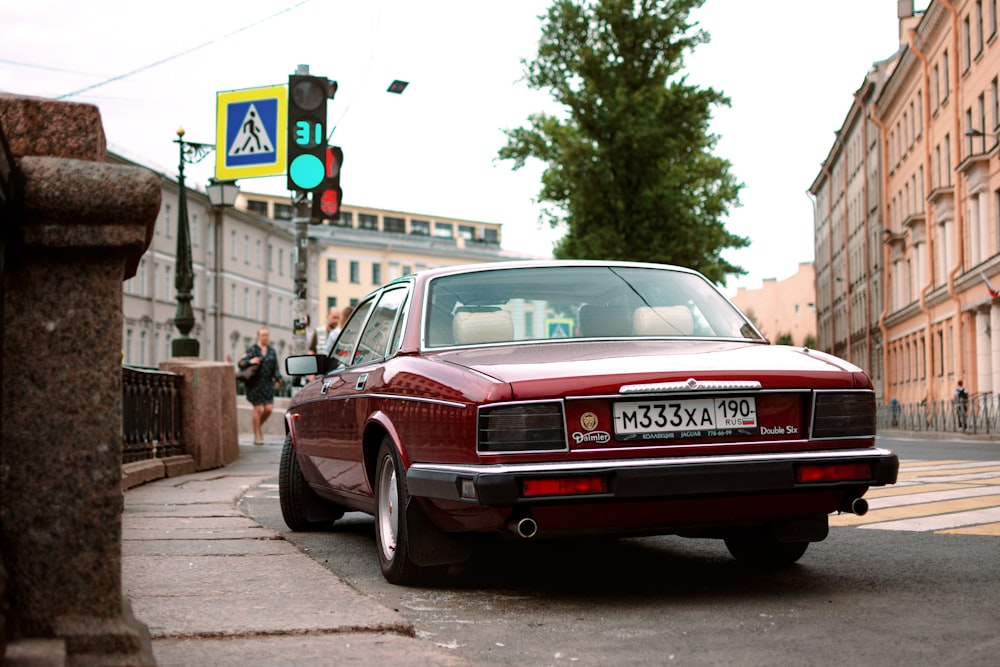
[342,316]
[260,388]
[331,330]
[960,399]
[894,410]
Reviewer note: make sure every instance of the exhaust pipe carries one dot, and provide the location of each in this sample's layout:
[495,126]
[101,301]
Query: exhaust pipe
[524,527]
[857,506]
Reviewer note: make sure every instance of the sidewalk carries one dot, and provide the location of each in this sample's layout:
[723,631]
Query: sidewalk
[216,588]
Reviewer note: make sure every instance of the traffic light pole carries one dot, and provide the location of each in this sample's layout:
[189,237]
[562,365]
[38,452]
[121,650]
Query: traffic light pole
[300,304]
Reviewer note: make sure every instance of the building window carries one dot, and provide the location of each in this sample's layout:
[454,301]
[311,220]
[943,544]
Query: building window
[394,225]
[331,270]
[284,212]
[232,298]
[246,248]
[270,257]
[346,219]
[355,273]
[281,261]
[166,283]
[168,224]
[444,230]
[944,72]
[967,43]
[367,221]
[376,274]
[331,302]
[194,229]
[257,207]
[420,227]
[232,243]
[979,27]
[993,18]
[467,232]
[491,235]
[246,302]
[256,306]
[259,253]
[937,88]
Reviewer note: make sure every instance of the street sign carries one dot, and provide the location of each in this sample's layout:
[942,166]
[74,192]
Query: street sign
[250,133]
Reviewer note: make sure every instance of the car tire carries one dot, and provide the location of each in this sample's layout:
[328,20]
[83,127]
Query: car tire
[392,536]
[301,508]
[762,549]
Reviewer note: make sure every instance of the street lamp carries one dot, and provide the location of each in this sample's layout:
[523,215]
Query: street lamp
[185,346]
[222,195]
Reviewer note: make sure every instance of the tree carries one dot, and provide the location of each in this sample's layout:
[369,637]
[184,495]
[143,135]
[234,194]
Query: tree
[630,171]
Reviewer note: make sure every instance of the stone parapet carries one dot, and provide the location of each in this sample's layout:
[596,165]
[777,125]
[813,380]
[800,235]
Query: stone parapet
[208,411]
[79,230]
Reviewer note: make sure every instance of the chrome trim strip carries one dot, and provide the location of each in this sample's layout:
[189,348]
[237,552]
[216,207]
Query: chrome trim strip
[691,384]
[586,397]
[395,397]
[569,467]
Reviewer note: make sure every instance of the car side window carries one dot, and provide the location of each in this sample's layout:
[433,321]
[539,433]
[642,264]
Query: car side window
[348,339]
[378,330]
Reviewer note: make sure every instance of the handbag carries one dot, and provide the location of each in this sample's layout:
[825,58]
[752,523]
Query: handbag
[248,374]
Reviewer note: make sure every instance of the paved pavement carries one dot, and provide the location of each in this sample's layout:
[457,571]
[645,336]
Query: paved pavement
[217,588]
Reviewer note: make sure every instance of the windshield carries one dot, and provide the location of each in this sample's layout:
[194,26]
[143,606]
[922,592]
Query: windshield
[544,303]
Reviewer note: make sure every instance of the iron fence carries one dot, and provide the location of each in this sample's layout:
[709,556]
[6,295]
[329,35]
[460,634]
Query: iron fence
[151,414]
[979,416]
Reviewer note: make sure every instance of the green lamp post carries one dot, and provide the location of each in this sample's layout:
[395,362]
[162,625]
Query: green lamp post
[185,346]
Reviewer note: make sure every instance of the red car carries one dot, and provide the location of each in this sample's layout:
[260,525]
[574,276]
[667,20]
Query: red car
[569,398]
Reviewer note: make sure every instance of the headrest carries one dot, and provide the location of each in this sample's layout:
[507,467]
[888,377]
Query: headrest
[482,327]
[663,321]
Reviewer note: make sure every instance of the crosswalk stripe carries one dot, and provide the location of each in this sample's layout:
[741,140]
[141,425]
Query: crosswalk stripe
[946,496]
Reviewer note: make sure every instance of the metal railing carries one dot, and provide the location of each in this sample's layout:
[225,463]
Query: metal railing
[151,414]
[980,416]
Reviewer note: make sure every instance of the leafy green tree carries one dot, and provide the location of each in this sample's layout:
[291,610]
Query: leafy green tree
[784,339]
[630,174]
[810,342]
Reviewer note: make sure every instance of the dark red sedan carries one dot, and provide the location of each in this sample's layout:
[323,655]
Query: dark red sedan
[542,399]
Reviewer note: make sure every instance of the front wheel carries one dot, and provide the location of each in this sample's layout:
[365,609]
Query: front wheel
[392,534]
[301,508]
[762,549]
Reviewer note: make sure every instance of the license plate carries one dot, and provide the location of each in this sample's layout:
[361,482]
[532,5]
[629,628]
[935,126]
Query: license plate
[685,417]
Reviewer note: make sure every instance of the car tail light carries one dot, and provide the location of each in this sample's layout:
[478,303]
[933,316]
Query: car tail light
[564,486]
[833,472]
[843,414]
[522,427]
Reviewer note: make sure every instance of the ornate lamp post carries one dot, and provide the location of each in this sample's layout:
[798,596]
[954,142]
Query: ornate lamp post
[185,346]
[222,194]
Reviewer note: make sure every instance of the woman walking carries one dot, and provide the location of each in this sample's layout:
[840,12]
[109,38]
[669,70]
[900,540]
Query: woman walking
[260,388]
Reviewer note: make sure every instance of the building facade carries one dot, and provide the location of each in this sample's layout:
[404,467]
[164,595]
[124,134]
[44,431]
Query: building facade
[244,268]
[783,307]
[931,218]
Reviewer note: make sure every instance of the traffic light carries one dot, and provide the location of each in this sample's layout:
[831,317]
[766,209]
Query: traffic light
[307,96]
[327,197]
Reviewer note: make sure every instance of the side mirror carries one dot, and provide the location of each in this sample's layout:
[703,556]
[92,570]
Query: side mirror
[310,364]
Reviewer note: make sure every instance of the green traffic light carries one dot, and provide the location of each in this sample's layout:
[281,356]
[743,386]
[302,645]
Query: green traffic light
[306,171]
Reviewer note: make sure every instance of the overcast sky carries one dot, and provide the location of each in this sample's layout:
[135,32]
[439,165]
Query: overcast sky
[790,68]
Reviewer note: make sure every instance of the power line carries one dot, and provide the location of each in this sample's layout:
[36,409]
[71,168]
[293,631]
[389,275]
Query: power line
[182,53]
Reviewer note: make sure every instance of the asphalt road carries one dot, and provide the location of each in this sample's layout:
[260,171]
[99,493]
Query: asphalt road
[861,597]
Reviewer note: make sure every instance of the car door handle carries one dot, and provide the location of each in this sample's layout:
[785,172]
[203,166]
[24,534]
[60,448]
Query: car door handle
[362,381]
[326,385]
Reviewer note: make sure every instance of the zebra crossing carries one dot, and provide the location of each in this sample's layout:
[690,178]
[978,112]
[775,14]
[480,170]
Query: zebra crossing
[948,496]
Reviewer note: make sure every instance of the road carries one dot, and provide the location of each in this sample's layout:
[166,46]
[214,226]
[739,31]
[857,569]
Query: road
[877,591]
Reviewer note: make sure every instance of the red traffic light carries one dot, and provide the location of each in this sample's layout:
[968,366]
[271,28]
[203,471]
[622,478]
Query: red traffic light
[329,203]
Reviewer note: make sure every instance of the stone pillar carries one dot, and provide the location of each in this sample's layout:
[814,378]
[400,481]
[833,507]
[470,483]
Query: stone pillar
[208,411]
[80,230]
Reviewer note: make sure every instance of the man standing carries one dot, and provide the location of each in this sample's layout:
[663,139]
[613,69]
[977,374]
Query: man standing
[961,401]
[331,330]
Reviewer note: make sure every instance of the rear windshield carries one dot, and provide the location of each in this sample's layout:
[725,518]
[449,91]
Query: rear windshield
[544,303]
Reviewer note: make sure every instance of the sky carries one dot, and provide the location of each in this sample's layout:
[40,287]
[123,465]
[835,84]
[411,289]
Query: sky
[789,67]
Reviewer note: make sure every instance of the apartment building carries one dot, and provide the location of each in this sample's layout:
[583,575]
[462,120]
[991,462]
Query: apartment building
[783,307]
[244,268]
[926,241]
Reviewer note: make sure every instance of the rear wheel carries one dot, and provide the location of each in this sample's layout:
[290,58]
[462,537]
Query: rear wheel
[392,535]
[762,549]
[301,508]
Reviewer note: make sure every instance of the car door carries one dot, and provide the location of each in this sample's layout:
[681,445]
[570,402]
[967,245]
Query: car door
[352,395]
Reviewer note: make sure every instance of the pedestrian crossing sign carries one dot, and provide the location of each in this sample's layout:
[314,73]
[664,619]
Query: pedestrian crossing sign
[559,327]
[250,133]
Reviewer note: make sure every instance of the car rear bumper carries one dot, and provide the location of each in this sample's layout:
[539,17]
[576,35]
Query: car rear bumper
[650,478]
